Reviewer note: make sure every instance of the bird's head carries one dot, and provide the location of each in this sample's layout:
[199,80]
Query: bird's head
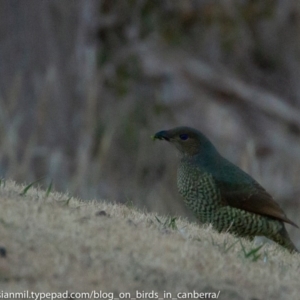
[187,140]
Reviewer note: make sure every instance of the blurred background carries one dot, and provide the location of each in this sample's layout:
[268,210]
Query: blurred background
[85,83]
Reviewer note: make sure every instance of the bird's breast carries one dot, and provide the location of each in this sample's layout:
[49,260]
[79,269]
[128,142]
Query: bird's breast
[199,191]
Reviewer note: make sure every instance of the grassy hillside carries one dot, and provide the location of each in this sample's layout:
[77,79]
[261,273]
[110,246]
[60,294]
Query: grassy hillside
[53,243]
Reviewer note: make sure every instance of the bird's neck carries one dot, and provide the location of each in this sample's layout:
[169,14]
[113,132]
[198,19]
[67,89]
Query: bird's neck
[203,158]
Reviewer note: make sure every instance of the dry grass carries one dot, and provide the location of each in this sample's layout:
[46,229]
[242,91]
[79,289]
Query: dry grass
[58,243]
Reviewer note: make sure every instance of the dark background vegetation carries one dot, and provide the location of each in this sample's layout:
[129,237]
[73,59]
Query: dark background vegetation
[84,84]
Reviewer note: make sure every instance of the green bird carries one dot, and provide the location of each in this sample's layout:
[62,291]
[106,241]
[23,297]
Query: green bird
[220,193]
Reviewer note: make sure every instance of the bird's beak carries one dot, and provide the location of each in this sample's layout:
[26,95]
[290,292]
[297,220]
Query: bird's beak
[161,135]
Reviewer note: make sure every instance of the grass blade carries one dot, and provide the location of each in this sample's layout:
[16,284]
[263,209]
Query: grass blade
[30,185]
[49,188]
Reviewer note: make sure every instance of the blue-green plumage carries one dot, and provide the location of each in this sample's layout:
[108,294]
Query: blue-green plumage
[220,193]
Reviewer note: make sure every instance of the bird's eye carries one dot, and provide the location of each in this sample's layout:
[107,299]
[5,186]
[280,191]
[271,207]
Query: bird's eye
[184,137]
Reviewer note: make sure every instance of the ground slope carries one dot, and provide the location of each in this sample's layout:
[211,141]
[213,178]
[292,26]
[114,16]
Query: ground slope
[53,243]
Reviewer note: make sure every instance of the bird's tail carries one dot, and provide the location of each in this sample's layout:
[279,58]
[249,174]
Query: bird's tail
[283,239]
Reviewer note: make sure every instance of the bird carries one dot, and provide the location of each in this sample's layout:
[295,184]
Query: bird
[220,193]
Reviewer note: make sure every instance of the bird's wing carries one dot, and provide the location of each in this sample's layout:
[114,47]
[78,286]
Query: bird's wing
[257,200]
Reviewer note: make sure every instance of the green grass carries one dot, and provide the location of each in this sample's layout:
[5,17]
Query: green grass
[30,185]
[169,222]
